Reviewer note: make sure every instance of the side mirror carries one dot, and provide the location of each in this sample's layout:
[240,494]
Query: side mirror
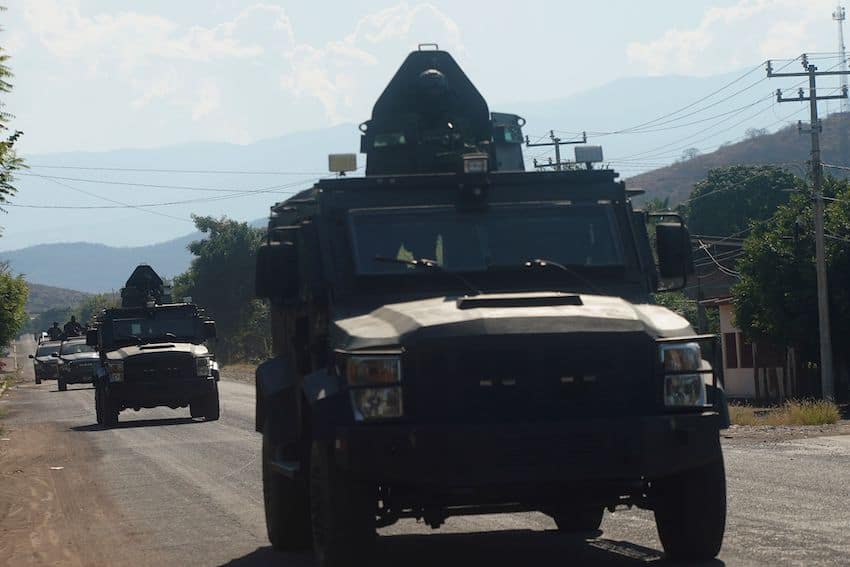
[91,337]
[54,354]
[675,257]
[277,271]
[31,356]
[209,329]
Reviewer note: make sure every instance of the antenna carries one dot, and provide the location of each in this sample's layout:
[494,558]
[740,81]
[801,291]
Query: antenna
[839,15]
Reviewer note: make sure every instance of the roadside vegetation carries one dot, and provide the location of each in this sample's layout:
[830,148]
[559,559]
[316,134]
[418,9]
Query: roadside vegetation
[793,412]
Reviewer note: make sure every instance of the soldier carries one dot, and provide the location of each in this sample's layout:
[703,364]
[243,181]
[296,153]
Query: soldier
[73,328]
[54,332]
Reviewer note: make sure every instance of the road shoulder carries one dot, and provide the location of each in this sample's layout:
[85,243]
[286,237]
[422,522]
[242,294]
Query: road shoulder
[51,510]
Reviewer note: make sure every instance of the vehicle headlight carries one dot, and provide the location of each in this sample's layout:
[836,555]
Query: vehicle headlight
[203,366]
[115,369]
[375,386]
[680,388]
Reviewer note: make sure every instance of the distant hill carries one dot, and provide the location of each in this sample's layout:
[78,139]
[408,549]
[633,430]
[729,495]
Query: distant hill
[97,268]
[44,297]
[785,147]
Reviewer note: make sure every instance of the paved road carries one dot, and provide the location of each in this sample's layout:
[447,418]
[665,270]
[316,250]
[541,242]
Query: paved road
[189,493]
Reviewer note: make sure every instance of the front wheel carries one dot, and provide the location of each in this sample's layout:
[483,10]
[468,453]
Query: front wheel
[690,512]
[579,520]
[286,502]
[342,512]
[37,378]
[98,405]
[212,408]
[109,410]
[61,385]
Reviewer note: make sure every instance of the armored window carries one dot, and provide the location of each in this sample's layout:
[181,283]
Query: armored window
[503,235]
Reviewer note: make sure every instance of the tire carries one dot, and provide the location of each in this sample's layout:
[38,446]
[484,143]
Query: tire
[690,512]
[37,378]
[287,505]
[579,520]
[342,512]
[195,409]
[98,405]
[109,410]
[212,409]
[61,385]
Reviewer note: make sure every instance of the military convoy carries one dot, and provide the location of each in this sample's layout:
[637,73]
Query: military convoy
[152,353]
[454,335]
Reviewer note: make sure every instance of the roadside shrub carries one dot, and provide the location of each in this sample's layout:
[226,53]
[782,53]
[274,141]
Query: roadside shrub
[792,412]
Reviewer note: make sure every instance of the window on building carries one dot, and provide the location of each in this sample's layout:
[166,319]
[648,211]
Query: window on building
[730,348]
[746,352]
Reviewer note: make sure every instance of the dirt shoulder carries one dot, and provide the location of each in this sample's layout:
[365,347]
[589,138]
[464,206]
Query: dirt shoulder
[51,510]
[239,372]
[773,433]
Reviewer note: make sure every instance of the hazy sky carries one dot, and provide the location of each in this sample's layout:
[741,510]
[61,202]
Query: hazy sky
[105,74]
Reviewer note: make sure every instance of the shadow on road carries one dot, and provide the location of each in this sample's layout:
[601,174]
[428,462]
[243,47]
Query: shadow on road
[494,549]
[139,423]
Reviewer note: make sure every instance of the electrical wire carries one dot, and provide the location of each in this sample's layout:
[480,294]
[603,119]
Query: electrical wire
[187,171]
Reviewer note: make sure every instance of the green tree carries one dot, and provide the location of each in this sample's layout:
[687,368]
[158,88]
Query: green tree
[730,198]
[13,298]
[93,304]
[221,280]
[9,160]
[776,298]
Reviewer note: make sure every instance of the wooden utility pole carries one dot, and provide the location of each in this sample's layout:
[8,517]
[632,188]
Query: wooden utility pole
[811,71]
[557,142]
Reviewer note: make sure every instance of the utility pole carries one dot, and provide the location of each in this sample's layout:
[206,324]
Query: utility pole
[839,15]
[557,142]
[815,127]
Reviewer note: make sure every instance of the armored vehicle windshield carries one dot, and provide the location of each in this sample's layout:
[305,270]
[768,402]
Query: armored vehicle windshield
[502,236]
[76,347]
[162,323]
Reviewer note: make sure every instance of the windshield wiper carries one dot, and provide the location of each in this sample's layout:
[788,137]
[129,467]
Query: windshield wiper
[429,264]
[545,263]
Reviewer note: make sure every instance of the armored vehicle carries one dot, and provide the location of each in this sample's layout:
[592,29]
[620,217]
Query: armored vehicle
[454,335]
[77,362]
[45,361]
[152,353]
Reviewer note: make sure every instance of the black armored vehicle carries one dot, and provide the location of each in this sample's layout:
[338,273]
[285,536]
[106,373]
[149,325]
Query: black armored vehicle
[152,353]
[454,335]
[45,361]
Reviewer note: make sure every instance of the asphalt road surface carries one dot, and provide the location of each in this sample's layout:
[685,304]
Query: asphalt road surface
[162,489]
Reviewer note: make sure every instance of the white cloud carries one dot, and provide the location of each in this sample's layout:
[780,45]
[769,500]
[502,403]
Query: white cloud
[201,69]
[742,32]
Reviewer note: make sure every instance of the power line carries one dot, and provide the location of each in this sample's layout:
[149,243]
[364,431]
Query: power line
[134,184]
[187,171]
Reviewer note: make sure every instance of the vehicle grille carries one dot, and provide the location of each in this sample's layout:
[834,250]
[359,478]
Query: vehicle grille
[81,368]
[530,378]
[158,367]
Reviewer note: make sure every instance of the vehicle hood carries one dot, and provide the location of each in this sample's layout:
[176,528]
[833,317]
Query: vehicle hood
[44,359]
[157,348]
[442,317]
[80,356]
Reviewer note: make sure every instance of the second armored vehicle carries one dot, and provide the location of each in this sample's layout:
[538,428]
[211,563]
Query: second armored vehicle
[152,353]
[45,361]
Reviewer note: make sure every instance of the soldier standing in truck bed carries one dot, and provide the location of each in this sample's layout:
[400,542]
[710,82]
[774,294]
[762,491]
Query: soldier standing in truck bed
[73,328]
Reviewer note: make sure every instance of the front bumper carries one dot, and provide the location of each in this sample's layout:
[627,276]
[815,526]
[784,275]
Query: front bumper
[150,394]
[622,449]
[46,371]
[78,376]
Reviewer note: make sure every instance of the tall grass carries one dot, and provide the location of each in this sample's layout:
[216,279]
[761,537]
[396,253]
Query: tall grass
[793,412]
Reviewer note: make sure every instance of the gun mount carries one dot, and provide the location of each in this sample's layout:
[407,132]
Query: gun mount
[430,115]
[143,287]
